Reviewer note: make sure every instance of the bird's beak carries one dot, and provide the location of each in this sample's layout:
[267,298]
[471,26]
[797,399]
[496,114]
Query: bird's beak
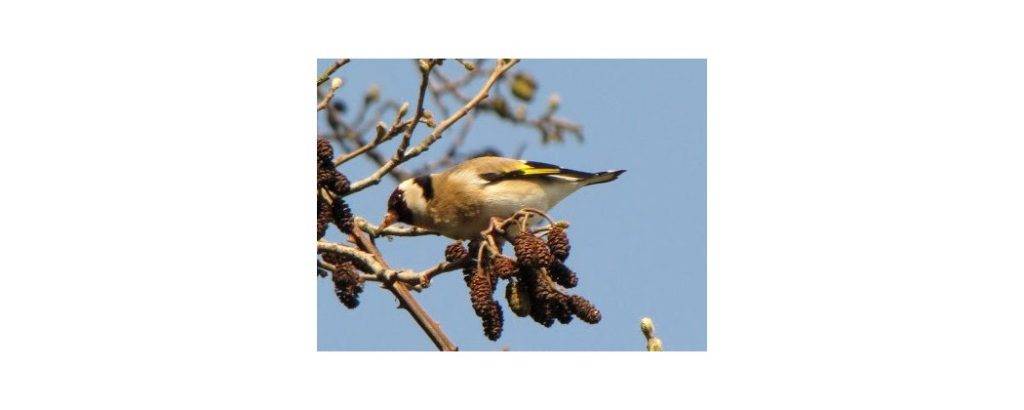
[389,219]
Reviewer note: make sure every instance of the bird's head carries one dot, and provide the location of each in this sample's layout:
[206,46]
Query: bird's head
[408,202]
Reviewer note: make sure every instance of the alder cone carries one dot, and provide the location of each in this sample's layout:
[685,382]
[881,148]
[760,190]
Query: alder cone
[531,251]
[323,217]
[346,284]
[543,289]
[324,152]
[503,267]
[584,310]
[562,311]
[349,295]
[333,258]
[562,275]
[558,243]
[493,321]
[326,178]
[455,252]
[341,184]
[540,312]
[480,292]
[342,215]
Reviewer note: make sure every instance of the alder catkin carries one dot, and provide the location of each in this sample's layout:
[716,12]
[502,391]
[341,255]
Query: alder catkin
[504,267]
[562,275]
[558,243]
[493,321]
[342,215]
[540,312]
[326,178]
[346,284]
[480,291]
[584,310]
[455,252]
[531,251]
[481,295]
[323,216]
[324,152]
[341,184]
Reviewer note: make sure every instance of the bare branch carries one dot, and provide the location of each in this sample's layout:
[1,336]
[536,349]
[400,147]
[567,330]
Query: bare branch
[452,153]
[407,135]
[396,127]
[468,65]
[418,280]
[393,230]
[424,145]
[322,78]
[365,261]
[406,301]
[335,85]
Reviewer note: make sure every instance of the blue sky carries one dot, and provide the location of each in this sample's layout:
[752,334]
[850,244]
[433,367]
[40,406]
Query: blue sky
[638,244]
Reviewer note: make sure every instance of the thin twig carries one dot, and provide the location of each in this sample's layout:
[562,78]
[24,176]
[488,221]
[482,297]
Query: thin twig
[396,127]
[424,145]
[453,149]
[393,230]
[407,135]
[324,76]
[419,279]
[335,84]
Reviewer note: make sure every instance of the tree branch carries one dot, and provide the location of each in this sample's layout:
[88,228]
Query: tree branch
[425,69]
[335,84]
[393,230]
[382,136]
[424,145]
[418,280]
[405,299]
[322,78]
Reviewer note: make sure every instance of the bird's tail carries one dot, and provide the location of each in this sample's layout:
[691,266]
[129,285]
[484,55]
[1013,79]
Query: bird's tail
[602,177]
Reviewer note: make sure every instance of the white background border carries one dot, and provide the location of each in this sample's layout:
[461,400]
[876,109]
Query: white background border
[864,205]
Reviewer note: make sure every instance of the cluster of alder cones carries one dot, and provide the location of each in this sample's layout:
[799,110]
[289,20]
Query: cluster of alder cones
[331,186]
[537,280]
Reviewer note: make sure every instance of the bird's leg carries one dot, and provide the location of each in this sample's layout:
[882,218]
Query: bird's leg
[496,226]
[540,213]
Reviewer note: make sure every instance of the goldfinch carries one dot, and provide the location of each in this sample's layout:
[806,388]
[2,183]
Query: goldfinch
[460,202]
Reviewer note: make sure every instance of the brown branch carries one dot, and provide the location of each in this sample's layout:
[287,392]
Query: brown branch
[335,85]
[424,145]
[418,280]
[393,230]
[322,78]
[438,101]
[344,134]
[453,87]
[452,152]
[365,261]
[383,135]
[407,135]
[405,299]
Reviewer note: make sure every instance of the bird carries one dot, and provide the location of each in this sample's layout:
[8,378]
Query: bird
[460,202]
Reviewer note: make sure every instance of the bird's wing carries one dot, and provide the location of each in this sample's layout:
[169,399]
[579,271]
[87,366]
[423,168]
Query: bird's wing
[520,169]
